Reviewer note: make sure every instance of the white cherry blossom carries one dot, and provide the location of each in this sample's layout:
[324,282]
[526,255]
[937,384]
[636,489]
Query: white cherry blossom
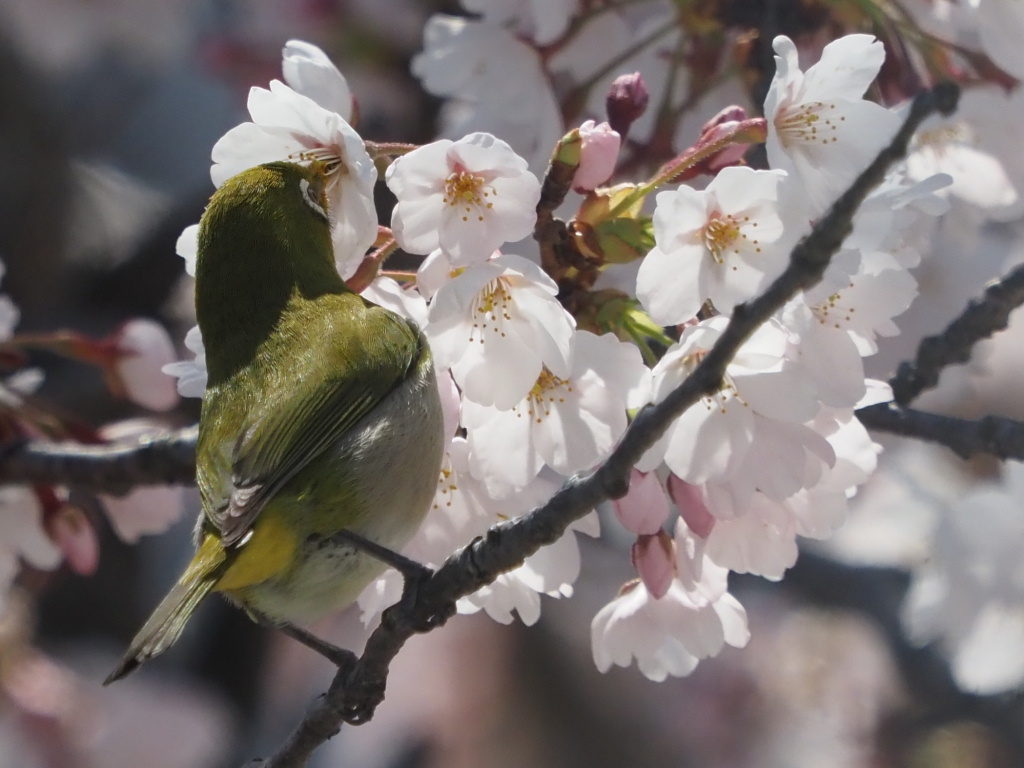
[543,20]
[497,326]
[465,197]
[309,71]
[289,126]
[976,147]
[22,536]
[191,374]
[496,83]
[761,538]
[402,300]
[820,128]
[147,509]
[668,636]
[187,246]
[712,244]
[969,594]
[711,439]
[144,348]
[1001,27]
[838,319]
[566,422]
[463,510]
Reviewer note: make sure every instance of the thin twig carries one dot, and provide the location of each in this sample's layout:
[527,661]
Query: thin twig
[994,435]
[983,317]
[115,468]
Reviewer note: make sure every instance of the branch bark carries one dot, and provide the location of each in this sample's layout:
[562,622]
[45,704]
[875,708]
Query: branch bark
[983,317]
[115,468]
[995,435]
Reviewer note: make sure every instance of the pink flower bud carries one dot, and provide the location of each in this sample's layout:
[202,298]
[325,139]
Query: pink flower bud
[626,101]
[598,154]
[654,558]
[733,114]
[689,500]
[74,535]
[645,508]
[144,348]
[717,128]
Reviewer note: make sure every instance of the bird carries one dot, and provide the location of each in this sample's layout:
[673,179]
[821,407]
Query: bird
[321,432]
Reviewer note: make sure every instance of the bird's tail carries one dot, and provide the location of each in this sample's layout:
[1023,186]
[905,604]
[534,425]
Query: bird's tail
[164,627]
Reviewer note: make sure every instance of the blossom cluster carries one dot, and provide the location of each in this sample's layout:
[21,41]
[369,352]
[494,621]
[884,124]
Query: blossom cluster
[41,527]
[534,395]
[542,361]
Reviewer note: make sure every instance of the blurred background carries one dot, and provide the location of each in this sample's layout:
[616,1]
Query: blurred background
[110,108]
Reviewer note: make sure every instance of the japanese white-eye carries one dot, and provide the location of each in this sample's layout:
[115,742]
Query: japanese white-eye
[321,415]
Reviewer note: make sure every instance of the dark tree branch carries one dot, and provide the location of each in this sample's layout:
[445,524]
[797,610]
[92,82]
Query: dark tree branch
[995,435]
[983,317]
[356,691]
[116,468]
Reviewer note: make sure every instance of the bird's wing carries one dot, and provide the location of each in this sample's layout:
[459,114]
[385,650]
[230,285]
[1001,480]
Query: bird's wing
[316,404]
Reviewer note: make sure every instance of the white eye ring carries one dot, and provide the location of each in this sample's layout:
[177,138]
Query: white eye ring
[312,199]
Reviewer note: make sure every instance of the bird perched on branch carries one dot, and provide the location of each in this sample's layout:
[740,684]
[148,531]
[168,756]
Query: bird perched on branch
[321,437]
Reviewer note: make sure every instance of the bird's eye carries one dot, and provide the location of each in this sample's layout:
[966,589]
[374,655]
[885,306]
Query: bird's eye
[311,195]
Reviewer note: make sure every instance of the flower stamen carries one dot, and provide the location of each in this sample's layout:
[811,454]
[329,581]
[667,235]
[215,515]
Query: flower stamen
[808,123]
[469,192]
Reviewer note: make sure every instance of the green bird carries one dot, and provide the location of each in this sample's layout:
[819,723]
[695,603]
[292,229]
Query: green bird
[321,422]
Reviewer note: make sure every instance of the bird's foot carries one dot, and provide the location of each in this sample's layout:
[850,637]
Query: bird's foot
[410,569]
[414,575]
[340,657]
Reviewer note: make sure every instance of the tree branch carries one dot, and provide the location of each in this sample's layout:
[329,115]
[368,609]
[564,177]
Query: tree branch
[355,692]
[115,468]
[983,317]
[995,435]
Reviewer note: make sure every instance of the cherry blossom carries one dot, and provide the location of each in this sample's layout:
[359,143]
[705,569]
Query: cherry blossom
[22,536]
[145,348]
[644,510]
[464,509]
[969,594]
[191,374]
[838,319]
[497,326]
[567,422]
[147,509]
[1001,27]
[289,126]
[75,537]
[465,197]
[694,619]
[599,150]
[187,246]
[976,147]
[309,71]
[653,557]
[713,244]
[404,301]
[711,439]
[820,129]
[543,20]
[497,83]
[761,537]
